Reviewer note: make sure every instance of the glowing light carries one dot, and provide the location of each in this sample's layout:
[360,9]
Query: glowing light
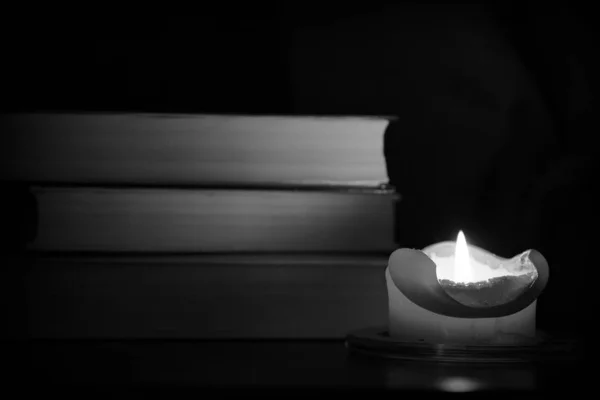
[463,270]
[459,384]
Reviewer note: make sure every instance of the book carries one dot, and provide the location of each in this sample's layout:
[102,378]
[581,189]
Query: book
[138,220]
[205,297]
[191,150]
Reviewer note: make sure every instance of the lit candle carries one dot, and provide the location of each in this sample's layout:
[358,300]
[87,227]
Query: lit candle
[452,292]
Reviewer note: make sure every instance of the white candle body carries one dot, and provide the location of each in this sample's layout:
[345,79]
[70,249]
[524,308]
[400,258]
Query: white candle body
[410,322]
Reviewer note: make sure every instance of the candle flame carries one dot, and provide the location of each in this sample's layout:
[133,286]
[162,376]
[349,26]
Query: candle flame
[463,270]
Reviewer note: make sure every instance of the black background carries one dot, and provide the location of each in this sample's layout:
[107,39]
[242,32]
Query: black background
[230,58]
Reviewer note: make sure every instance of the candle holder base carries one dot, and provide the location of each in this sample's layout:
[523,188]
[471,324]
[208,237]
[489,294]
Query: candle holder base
[376,342]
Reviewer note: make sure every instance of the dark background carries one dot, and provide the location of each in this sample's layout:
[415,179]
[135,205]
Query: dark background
[244,58]
[462,171]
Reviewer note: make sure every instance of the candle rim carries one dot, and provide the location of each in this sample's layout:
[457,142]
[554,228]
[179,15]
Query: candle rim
[414,274]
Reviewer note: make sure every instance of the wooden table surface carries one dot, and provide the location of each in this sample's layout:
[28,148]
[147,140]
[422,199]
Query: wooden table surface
[268,364]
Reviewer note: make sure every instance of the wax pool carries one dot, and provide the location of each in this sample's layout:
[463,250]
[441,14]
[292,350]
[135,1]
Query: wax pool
[410,322]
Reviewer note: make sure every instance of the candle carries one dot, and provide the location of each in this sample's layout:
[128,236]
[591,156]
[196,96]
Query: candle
[452,292]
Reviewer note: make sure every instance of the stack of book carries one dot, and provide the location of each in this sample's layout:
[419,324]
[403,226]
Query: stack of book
[203,226]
